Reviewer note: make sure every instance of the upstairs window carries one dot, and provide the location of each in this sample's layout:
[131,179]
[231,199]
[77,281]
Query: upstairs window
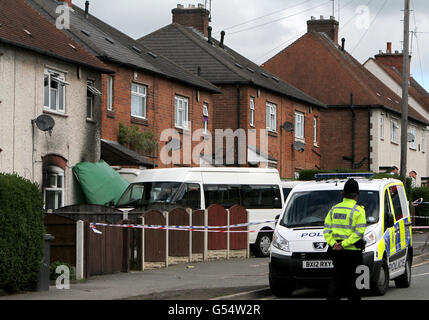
[381,127]
[394,130]
[206,117]
[252,112]
[110,93]
[299,125]
[54,91]
[138,101]
[315,131]
[413,131]
[181,106]
[91,93]
[271,117]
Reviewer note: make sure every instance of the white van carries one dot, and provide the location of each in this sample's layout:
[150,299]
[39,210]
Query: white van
[256,189]
[299,254]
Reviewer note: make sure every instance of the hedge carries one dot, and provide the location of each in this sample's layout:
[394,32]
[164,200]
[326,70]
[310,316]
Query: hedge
[21,233]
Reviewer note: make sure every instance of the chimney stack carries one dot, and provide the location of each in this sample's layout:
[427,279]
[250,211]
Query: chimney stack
[390,59]
[328,26]
[69,2]
[197,17]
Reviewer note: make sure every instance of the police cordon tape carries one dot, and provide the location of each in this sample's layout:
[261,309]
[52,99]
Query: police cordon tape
[93,225]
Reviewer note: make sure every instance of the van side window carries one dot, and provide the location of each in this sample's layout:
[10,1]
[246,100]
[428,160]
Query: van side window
[190,197]
[224,195]
[396,201]
[387,210]
[260,197]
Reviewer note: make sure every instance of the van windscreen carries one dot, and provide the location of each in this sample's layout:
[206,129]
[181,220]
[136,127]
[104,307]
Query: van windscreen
[140,195]
[310,208]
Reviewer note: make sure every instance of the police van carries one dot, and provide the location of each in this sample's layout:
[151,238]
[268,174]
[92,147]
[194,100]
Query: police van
[299,254]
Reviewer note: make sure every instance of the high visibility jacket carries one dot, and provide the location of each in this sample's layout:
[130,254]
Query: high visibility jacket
[346,222]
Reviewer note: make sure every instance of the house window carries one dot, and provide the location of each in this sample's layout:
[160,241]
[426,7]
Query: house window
[91,93]
[423,147]
[299,125]
[381,127]
[53,190]
[206,117]
[252,112]
[54,91]
[138,101]
[181,105]
[315,131]
[413,131]
[394,130]
[271,117]
[110,93]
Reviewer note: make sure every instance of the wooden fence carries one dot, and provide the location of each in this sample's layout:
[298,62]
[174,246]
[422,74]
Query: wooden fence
[118,249]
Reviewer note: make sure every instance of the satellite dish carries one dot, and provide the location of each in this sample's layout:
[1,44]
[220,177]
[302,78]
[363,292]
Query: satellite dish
[410,137]
[299,146]
[45,123]
[288,126]
[174,144]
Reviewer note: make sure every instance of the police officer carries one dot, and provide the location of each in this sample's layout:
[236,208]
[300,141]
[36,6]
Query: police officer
[345,226]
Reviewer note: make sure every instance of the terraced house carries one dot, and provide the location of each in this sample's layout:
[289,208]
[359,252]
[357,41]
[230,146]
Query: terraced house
[251,97]
[146,95]
[362,125]
[46,81]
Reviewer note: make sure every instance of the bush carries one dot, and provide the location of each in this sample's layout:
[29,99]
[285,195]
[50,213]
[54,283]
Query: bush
[133,138]
[21,233]
[53,267]
[422,209]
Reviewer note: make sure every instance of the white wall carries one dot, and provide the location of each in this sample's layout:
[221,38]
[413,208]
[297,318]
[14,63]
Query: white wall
[22,99]
[385,153]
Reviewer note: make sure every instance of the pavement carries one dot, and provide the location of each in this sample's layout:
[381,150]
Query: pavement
[202,280]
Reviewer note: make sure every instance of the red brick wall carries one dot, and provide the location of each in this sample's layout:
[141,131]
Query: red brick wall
[336,139]
[161,94]
[280,143]
[197,18]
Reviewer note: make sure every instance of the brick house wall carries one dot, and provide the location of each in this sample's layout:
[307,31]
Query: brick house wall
[280,144]
[160,107]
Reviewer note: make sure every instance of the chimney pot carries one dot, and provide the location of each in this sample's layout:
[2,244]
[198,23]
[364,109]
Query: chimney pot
[200,6]
[180,6]
[322,18]
[209,34]
[343,44]
[332,17]
[222,38]
[313,18]
[396,51]
[389,48]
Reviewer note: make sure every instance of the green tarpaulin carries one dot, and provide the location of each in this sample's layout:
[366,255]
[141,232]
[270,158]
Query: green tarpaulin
[100,183]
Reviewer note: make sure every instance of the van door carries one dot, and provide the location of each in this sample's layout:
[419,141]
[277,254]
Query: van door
[400,232]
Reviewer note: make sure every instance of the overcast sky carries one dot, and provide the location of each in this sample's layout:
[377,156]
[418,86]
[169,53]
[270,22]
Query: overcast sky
[258,29]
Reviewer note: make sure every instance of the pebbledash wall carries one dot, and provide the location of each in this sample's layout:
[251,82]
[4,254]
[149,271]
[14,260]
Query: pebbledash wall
[160,106]
[24,148]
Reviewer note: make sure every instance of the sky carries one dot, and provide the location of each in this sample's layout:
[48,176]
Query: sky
[259,29]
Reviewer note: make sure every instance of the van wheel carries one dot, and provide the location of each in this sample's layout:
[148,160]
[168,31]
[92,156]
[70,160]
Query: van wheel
[381,284]
[404,281]
[281,289]
[261,248]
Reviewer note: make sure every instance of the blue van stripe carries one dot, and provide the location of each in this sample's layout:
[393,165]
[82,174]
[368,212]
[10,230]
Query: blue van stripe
[387,241]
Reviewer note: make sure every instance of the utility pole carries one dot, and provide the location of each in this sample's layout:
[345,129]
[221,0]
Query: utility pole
[405,80]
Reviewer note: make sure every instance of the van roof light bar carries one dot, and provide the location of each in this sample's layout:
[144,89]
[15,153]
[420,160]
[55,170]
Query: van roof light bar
[325,176]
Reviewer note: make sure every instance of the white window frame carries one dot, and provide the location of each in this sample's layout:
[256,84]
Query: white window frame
[413,130]
[381,127]
[423,147]
[55,172]
[206,114]
[89,103]
[110,93]
[139,93]
[299,125]
[181,110]
[59,78]
[252,111]
[271,117]
[394,130]
[315,131]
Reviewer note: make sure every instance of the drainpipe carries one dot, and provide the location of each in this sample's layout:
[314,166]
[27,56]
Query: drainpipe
[353,129]
[236,151]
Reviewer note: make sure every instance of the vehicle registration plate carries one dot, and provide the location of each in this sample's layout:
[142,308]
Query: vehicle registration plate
[317,264]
